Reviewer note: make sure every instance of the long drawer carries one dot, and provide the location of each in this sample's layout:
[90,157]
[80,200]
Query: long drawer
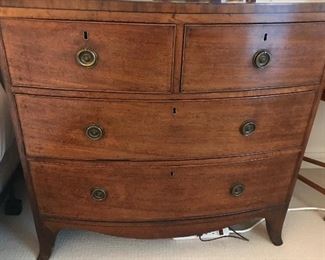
[127,57]
[128,192]
[237,57]
[86,129]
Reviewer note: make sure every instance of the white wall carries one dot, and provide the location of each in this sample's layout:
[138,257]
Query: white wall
[316,144]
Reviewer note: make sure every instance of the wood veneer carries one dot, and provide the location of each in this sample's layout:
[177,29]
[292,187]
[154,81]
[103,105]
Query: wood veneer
[170,6]
[43,53]
[165,130]
[181,191]
[220,57]
[291,97]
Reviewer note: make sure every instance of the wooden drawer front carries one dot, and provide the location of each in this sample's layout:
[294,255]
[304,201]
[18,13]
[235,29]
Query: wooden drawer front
[131,57]
[221,57]
[148,130]
[152,192]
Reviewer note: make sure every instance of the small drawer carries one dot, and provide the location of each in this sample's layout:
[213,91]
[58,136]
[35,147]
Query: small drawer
[90,55]
[85,129]
[131,192]
[243,57]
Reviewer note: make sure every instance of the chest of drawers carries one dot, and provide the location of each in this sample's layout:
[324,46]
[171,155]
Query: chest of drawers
[160,119]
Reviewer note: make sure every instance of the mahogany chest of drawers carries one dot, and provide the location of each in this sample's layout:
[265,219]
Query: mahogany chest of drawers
[160,119]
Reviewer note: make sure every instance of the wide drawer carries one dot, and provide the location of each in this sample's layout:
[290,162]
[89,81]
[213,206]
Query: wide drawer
[150,191]
[162,130]
[129,57]
[221,57]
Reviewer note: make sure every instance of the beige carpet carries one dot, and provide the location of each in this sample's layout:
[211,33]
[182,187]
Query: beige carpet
[303,235]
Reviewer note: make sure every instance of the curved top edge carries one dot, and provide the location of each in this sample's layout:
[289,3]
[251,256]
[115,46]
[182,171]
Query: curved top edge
[175,6]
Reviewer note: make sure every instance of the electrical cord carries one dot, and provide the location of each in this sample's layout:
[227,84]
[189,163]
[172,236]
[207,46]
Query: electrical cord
[307,209]
[239,232]
[237,235]
[289,210]
[250,228]
[216,238]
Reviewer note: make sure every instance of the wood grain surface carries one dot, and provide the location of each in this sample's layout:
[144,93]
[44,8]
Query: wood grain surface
[166,130]
[144,192]
[173,84]
[131,57]
[219,57]
[170,6]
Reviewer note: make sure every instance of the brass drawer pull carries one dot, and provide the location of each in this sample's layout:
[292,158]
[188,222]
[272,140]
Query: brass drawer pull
[87,58]
[262,59]
[248,128]
[98,194]
[237,189]
[94,132]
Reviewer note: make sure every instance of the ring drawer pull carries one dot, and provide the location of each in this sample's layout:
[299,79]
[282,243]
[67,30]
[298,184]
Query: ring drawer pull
[98,194]
[87,58]
[94,132]
[262,59]
[248,128]
[237,189]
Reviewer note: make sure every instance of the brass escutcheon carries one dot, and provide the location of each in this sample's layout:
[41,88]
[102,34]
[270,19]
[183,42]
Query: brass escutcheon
[86,58]
[94,132]
[262,59]
[248,128]
[98,194]
[237,189]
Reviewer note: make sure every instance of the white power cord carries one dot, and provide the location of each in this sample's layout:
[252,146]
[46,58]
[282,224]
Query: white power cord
[250,228]
[291,209]
[228,232]
[307,209]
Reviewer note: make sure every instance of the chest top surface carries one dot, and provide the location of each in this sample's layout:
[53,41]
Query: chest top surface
[175,6]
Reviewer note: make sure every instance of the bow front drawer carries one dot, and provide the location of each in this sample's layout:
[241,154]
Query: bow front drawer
[242,57]
[162,130]
[130,192]
[115,57]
